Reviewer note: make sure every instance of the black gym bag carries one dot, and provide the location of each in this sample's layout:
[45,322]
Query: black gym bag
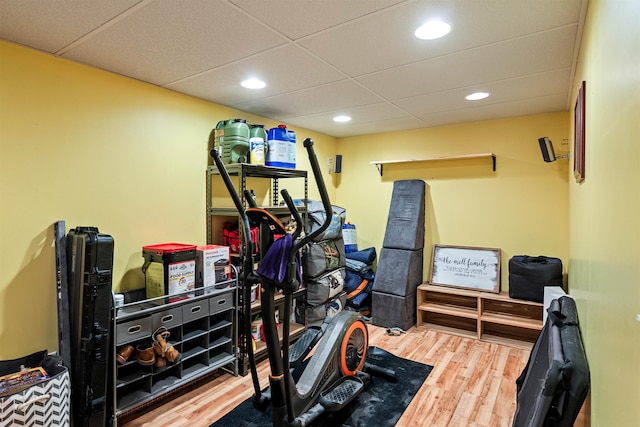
[529,275]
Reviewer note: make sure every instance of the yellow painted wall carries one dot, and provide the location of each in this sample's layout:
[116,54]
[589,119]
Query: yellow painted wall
[94,148]
[521,208]
[604,272]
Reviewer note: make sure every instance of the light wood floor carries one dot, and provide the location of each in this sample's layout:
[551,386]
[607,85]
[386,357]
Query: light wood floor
[472,384]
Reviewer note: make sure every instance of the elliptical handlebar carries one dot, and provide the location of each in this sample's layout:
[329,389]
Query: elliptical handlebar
[291,282]
[291,279]
[294,212]
[324,196]
[246,227]
[247,267]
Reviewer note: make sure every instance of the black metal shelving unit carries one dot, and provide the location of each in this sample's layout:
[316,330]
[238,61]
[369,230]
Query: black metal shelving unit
[216,215]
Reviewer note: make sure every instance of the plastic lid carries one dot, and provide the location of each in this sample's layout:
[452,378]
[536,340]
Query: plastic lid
[206,247]
[282,126]
[168,247]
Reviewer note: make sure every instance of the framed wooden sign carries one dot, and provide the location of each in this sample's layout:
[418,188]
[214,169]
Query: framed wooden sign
[466,267]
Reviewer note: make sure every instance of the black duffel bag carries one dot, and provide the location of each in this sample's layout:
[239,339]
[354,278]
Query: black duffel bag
[528,275]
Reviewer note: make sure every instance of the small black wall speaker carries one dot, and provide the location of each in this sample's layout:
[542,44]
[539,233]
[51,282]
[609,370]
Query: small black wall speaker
[546,147]
[338,165]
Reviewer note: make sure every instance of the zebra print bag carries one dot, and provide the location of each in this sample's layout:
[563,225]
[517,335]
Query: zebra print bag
[46,403]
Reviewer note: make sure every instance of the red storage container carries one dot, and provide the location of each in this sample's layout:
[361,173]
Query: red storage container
[169,269]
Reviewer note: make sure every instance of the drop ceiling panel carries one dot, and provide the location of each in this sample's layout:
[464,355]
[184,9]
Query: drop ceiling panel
[536,53]
[543,104]
[535,85]
[379,126]
[385,40]
[52,25]
[298,18]
[222,84]
[359,115]
[165,41]
[329,97]
[323,57]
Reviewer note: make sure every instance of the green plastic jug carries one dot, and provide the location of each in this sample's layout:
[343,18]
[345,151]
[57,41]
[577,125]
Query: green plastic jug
[234,144]
[215,139]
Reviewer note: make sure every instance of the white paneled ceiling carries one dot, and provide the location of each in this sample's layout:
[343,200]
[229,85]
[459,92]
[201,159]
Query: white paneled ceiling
[321,58]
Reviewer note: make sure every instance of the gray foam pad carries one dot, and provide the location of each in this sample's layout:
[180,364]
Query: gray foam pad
[405,223]
[393,311]
[399,271]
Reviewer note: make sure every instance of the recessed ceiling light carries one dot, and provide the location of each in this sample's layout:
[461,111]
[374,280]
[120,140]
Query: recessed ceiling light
[433,30]
[341,119]
[476,96]
[253,84]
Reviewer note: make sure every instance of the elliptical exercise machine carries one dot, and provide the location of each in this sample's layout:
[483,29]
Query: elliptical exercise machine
[333,376]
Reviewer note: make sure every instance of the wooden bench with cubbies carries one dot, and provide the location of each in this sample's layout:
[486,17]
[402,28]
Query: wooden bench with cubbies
[481,315]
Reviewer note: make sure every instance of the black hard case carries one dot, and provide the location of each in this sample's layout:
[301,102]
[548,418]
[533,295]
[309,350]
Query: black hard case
[556,380]
[529,275]
[90,265]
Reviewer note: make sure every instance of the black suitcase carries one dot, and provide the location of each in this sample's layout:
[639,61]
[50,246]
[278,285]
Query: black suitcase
[529,275]
[90,265]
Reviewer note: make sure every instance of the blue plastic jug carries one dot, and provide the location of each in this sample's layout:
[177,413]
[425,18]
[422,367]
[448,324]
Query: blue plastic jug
[282,148]
[349,236]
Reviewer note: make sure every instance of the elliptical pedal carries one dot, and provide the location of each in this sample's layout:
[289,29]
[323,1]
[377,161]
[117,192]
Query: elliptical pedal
[301,348]
[341,393]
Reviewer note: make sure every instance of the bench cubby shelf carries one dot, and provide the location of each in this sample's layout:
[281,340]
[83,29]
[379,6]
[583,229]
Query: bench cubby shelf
[481,315]
[203,329]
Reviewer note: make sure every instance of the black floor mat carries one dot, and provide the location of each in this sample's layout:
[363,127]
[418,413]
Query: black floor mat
[381,404]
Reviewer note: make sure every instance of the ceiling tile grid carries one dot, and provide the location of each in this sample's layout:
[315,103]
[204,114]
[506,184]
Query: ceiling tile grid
[524,87]
[322,58]
[52,25]
[345,93]
[166,41]
[365,114]
[385,40]
[221,84]
[488,63]
[298,18]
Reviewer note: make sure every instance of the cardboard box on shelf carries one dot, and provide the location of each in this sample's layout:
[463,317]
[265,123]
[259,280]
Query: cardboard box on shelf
[212,265]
